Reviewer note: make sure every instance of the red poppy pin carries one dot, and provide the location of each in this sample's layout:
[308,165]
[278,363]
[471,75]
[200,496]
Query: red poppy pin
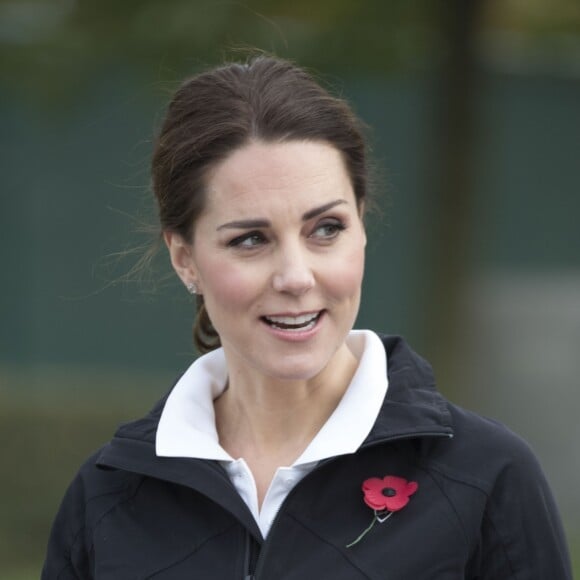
[385,497]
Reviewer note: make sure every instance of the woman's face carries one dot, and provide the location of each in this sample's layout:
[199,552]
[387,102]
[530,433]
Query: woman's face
[278,254]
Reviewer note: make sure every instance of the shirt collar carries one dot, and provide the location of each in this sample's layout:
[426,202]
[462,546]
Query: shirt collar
[187,424]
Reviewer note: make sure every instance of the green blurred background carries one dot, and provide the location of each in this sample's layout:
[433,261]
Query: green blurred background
[474,109]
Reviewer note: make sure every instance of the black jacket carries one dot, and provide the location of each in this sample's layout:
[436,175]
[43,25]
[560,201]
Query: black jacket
[483,510]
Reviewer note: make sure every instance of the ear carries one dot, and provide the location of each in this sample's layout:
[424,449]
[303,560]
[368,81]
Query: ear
[181,254]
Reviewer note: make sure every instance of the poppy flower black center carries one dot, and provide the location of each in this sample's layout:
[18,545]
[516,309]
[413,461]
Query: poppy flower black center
[389,492]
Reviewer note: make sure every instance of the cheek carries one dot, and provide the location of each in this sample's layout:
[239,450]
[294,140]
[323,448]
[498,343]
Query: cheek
[226,287]
[345,278]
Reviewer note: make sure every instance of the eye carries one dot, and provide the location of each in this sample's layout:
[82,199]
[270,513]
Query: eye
[248,240]
[328,230]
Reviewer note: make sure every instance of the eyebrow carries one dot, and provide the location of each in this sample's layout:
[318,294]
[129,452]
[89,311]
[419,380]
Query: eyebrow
[264,223]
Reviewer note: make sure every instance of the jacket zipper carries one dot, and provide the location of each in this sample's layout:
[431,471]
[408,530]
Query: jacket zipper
[248,557]
[264,549]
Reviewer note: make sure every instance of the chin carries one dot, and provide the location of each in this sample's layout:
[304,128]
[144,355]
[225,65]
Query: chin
[294,370]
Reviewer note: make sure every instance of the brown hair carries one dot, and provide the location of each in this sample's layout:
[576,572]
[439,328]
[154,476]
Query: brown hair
[220,110]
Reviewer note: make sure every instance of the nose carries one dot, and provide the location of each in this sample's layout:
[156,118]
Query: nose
[294,273]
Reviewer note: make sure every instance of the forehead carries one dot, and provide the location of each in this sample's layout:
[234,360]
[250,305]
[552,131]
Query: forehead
[289,175]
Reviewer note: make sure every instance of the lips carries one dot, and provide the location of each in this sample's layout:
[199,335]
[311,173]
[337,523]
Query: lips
[298,323]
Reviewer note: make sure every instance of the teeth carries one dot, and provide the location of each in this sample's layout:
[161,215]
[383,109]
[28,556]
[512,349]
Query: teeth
[293,320]
[302,322]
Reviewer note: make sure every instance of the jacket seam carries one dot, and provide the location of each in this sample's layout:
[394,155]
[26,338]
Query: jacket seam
[112,491]
[65,567]
[129,497]
[135,437]
[335,548]
[452,505]
[438,468]
[486,514]
[83,527]
[431,468]
[198,547]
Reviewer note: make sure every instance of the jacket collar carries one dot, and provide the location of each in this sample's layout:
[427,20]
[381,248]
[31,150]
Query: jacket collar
[413,406]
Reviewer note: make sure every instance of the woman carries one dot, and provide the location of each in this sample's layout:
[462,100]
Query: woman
[288,450]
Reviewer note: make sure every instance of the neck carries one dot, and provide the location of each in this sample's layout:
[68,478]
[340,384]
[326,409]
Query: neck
[275,420]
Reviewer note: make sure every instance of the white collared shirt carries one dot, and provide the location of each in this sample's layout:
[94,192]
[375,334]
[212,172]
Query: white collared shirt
[187,424]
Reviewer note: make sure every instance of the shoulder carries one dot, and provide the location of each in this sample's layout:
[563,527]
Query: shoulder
[96,486]
[94,491]
[483,452]
[480,449]
[100,480]
[91,495]
[488,465]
